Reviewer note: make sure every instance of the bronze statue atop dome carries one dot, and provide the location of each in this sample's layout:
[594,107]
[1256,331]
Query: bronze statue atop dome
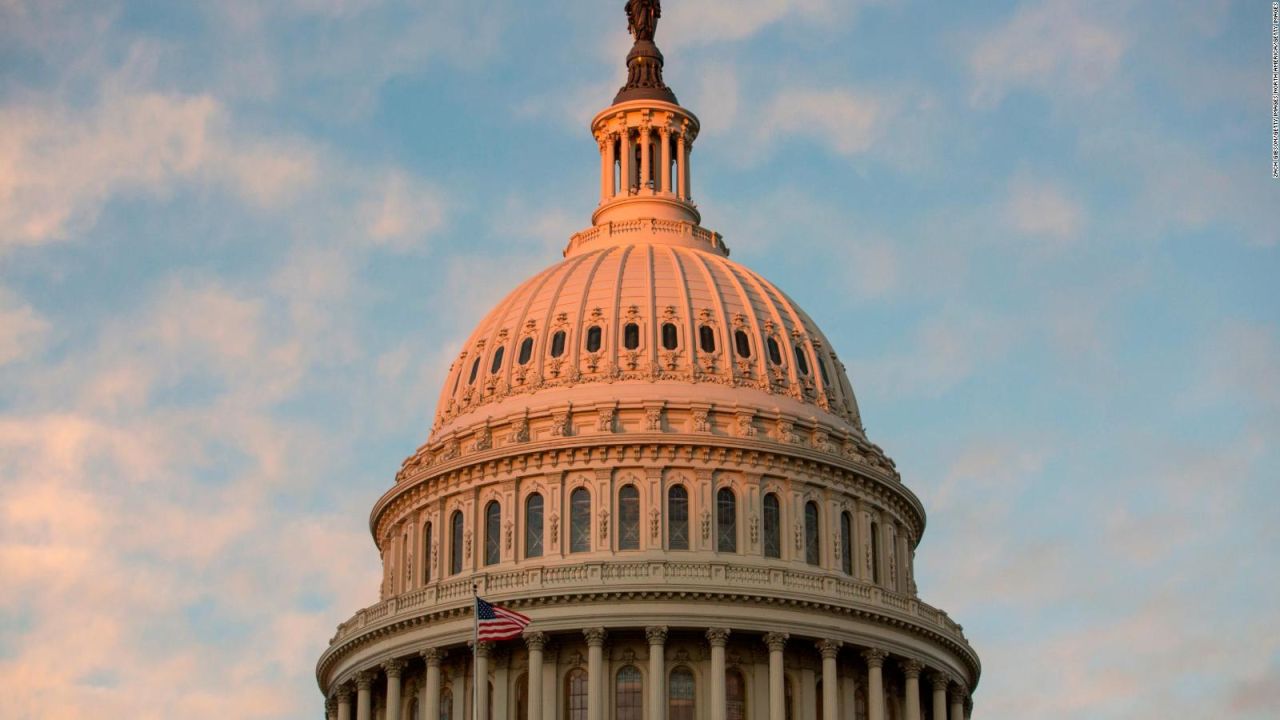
[642,18]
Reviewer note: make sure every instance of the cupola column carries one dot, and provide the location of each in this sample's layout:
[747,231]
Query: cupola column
[645,186]
[595,672]
[535,641]
[393,669]
[830,682]
[875,682]
[657,637]
[664,169]
[777,690]
[911,669]
[718,637]
[682,166]
[431,703]
[624,147]
[607,149]
[364,695]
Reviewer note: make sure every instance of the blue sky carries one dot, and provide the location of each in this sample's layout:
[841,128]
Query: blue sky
[240,243]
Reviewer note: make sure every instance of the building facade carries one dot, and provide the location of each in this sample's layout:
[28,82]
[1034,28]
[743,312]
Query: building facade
[656,455]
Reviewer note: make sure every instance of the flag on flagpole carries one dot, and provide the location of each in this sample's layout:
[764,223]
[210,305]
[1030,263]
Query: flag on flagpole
[494,622]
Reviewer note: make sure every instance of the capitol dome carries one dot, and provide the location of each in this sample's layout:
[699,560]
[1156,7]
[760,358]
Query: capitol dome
[656,455]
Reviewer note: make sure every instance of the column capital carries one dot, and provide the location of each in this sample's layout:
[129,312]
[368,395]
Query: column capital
[432,656]
[394,668]
[718,637]
[828,648]
[939,681]
[535,640]
[657,634]
[343,694]
[364,680]
[957,694]
[595,636]
[482,650]
[875,657]
[911,667]
[331,704]
[776,640]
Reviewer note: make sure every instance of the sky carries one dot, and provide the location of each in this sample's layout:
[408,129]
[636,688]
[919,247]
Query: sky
[240,243]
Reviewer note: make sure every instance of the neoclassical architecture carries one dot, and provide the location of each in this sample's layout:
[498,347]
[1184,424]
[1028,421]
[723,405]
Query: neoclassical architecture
[655,454]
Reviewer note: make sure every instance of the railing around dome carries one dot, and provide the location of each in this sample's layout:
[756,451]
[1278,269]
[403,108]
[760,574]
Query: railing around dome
[656,574]
[630,229]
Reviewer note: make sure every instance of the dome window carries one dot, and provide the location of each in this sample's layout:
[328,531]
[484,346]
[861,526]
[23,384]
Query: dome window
[497,360]
[811,533]
[629,518]
[670,340]
[580,521]
[822,368]
[706,339]
[741,344]
[726,521]
[846,543]
[677,518]
[492,533]
[526,350]
[631,336]
[475,369]
[593,338]
[772,526]
[775,353]
[557,344]
[802,361]
[533,526]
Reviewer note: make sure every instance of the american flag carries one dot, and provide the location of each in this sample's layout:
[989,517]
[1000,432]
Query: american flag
[498,623]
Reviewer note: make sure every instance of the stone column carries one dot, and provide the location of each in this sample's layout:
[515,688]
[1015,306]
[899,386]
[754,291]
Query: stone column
[606,168]
[536,642]
[331,708]
[911,669]
[364,695]
[344,702]
[682,167]
[664,179]
[657,636]
[956,693]
[939,683]
[860,569]
[595,671]
[875,682]
[624,177]
[718,637]
[830,683]
[431,703]
[777,691]
[645,167]
[480,692]
[394,669]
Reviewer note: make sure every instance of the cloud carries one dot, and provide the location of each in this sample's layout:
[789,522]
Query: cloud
[1051,46]
[847,121]
[1041,208]
[404,213]
[945,350]
[704,22]
[22,329]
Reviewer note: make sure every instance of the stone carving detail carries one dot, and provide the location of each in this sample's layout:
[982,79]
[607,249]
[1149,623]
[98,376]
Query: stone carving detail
[799,535]
[364,680]
[450,450]
[718,637]
[520,430]
[755,529]
[484,438]
[700,421]
[776,641]
[560,423]
[784,431]
[605,418]
[508,534]
[466,545]
[656,635]
[653,419]
[595,635]
[875,657]
[535,640]
[435,552]
[394,668]
[911,668]
[554,523]
[604,524]
[706,525]
[743,425]
[828,648]
[655,523]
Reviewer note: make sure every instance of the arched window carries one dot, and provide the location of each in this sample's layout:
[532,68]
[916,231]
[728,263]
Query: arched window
[772,526]
[580,520]
[726,521]
[706,339]
[575,694]
[533,526]
[822,368]
[735,696]
[680,694]
[670,338]
[526,350]
[492,533]
[741,344]
[557,344]
[593,338]
[802,360]
[497,360]
[446,703]
[426,553]
[875,551]
[677,518]
[775,353]
[475,368]
[811,533]
[628,693]
[629,518]
[846,542]
[522,698]
[631,336]
[455,543]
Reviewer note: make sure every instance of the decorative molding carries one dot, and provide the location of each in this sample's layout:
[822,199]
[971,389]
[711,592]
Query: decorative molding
[718,637]
[656,634]
[776,641]
[875,657]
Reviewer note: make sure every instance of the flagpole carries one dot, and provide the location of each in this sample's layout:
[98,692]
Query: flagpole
[475,652]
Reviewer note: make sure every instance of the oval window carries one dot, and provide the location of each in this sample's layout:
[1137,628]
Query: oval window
[631,336]
[557,344]
[706,339]
[497,360]
[526,350]
[669,337]
[802,361]
[775,353]
[475,368]
[822,366]
[593,338]
[741,344]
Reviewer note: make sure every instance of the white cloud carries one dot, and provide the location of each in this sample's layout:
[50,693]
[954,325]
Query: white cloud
[22,329]
[847,121]
[403,213]
[1052,46]
[1042,208]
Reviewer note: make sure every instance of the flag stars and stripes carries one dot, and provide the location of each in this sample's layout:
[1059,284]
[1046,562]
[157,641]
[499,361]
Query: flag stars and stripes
[494,622]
